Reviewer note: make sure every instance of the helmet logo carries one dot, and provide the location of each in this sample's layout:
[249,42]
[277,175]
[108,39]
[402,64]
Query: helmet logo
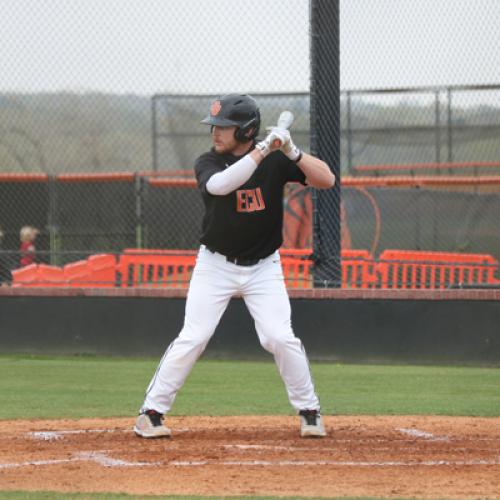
[215,108]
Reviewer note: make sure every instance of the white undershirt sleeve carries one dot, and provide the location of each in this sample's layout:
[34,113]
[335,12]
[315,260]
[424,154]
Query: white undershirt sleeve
[233,177]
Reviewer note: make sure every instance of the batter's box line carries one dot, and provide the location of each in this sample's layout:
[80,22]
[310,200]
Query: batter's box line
[416,433]
[293,449]
[99,457]
[329,463]
[103,459]
[56,435]
[428,436]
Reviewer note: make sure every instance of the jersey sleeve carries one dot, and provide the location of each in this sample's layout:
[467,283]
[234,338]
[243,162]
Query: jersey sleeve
[204,168]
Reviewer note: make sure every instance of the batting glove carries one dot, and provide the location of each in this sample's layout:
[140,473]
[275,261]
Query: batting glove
[287,145]
[291,150]
[273,141]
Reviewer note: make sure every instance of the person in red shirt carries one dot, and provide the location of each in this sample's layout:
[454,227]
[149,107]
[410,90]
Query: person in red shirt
[28,236]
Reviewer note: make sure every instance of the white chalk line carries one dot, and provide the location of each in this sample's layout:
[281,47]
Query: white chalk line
[423,434]
[100,458]
[330,463]
[56,435]
[106,461]
[103,459]
[337,449]
[36,462]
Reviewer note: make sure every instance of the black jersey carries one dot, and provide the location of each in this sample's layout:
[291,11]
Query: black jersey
[248,222]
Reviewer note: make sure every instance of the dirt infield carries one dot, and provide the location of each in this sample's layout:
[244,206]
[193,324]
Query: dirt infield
[426,457]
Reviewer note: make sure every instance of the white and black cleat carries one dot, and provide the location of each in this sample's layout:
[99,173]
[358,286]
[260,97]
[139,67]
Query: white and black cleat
[150,425]
[311,424]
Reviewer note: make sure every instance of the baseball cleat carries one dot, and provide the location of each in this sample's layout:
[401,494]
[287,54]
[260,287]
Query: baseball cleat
[150,425]
[311,424]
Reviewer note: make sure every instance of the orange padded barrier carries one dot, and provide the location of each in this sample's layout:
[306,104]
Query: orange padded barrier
[78,274]
[155,270]
[97,271]
[102,270]
[25,276]
[50,276]
[420,269]
[39,275]
[358,269]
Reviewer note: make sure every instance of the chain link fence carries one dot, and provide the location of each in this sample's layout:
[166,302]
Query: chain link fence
[57,140]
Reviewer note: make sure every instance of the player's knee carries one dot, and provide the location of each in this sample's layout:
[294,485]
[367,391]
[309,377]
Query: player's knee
[272,341]
[196,337]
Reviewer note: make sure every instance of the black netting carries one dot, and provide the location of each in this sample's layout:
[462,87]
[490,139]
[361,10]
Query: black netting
[93,217]
[134,106]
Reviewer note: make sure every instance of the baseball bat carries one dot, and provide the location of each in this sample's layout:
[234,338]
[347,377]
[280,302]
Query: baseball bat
[284,121]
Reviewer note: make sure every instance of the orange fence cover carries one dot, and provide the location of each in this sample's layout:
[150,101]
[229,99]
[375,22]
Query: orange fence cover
[401,269]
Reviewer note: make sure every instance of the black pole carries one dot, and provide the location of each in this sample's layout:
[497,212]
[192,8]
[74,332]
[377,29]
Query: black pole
[450,127]
[437,127]
[154,134]
[349,132]
[325,137]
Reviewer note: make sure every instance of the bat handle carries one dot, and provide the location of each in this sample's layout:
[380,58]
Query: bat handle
[284,121]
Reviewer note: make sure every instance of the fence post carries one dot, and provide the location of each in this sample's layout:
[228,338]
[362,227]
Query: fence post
[139,188]
[154,134]
[325,138]
[54,242]
[438,128]
[349,132]
[450,129]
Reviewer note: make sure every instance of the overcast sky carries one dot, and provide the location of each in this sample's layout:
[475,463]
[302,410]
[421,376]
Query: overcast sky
[214,46]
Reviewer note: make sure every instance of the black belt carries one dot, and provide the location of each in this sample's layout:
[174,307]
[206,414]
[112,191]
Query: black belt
[237,260]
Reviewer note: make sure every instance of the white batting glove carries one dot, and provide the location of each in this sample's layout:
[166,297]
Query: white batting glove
[291,150]
[283,133]
[287,145]
[273,141]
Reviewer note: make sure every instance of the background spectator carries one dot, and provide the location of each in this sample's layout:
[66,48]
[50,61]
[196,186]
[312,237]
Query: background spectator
[28,236]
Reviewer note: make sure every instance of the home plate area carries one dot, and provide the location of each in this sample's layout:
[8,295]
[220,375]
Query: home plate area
[410,456]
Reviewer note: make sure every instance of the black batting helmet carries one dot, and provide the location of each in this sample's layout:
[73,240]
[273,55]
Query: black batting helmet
[236,110]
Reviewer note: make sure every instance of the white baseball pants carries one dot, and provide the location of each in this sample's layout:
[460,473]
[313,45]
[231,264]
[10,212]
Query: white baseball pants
[214,282]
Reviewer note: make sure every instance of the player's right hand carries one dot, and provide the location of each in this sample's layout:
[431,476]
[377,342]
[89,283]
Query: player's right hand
[273,141]
[287,145]
[282,133]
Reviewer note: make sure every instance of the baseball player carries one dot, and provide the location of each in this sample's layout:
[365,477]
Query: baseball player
[241,181]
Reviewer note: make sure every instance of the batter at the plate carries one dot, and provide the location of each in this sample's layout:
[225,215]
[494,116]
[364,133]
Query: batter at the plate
[241,181]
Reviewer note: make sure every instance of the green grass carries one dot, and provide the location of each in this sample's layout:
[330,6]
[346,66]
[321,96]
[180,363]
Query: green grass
[74,387]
